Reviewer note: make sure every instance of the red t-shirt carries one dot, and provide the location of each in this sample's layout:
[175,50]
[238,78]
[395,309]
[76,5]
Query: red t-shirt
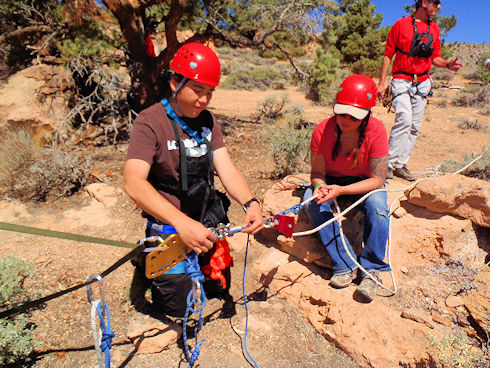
[401,36]
[375,145]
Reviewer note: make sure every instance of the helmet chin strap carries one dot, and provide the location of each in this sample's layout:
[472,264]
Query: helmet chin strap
[174,94]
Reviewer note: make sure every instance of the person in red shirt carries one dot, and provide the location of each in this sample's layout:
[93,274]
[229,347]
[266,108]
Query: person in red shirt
[414,41]
[349,157]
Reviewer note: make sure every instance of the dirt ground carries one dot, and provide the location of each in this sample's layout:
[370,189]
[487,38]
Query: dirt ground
[278,335]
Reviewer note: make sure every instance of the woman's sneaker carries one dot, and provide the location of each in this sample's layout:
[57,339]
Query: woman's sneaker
[368,288]
[343,280]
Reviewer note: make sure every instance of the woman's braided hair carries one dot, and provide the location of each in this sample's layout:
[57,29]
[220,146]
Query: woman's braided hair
[357,150]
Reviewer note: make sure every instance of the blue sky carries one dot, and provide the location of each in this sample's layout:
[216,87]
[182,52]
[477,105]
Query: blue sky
[473,17]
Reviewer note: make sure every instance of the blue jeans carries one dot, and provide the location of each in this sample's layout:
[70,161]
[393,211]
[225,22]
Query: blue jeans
[376,228]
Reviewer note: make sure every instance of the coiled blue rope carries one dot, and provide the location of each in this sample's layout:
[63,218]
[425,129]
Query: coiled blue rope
[193,270]
[107,335]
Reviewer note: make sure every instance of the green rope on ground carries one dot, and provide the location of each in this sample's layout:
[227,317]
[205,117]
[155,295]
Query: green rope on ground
[62,235]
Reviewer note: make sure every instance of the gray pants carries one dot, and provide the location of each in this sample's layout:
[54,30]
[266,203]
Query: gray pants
[409,106]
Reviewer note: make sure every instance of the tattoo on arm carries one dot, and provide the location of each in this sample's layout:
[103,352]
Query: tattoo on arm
[379,167]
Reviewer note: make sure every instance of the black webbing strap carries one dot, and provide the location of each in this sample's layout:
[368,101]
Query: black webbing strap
[184,185]
[61,235]
[409,53]
[411,74]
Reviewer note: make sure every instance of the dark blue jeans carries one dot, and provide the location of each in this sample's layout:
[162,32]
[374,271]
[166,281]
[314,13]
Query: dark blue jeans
[376,228]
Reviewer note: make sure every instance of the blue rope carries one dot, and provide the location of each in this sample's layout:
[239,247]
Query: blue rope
[193,270]
[295,209]
[170,112]
[107,335]
[245,303]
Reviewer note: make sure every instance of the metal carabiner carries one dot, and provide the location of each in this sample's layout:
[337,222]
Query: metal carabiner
[90,293]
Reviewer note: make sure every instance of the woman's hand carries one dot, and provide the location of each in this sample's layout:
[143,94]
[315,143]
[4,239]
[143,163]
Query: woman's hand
[254,221]
[327,193]
[195,236]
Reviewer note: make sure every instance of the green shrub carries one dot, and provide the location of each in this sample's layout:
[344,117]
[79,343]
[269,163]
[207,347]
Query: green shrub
[452,352]
[482,71]
[88,39]
[270,109]
[249,78]
[367,66]
[440,74]
[473,96]
[485,110]
[324,74]
[29,172]
[441,103]
[473,125]
[479,169]
[16,342]
[289,147]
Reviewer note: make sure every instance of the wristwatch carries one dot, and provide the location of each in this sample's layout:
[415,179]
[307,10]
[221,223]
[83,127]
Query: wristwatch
[247,204]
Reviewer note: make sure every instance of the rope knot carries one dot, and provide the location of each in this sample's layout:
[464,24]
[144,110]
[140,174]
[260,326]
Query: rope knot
[106,341]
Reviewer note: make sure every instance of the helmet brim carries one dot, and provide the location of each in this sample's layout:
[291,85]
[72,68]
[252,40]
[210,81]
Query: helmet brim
[357,112]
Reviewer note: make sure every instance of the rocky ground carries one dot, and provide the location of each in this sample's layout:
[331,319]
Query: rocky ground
[295,318]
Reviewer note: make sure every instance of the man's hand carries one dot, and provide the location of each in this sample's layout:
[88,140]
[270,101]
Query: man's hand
[195,236]
[381,91]
[254,221]
[454,65]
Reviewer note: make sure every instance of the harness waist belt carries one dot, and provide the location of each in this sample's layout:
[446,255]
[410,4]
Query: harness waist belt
[161,228]
[412,75]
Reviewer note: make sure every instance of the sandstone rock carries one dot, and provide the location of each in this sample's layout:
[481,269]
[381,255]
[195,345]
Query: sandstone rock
[373,334]
[439,318]
[104,193]
[454,301]
[455,194]
[29,99]
[152,336]
[417,315]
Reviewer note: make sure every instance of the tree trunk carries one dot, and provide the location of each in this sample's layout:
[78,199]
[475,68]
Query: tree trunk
[145,72]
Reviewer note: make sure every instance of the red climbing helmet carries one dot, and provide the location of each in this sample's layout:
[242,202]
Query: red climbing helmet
[197,62]
[356,95]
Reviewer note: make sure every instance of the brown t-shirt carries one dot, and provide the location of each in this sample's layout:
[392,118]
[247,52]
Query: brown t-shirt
[153,141]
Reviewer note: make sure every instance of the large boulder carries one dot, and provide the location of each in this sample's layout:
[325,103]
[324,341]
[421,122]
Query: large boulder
[455,194]
[36,98]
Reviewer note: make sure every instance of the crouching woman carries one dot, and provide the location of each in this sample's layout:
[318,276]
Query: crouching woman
[349,157]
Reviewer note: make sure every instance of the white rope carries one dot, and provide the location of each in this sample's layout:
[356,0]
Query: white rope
[338,218]
[363,198]
[357,263]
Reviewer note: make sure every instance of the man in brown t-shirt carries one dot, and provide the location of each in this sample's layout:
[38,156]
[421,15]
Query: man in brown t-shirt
[173,149]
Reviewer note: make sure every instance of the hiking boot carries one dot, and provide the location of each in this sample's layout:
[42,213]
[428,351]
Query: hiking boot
[367,288]
[343,280]
[389,174]
[404,173]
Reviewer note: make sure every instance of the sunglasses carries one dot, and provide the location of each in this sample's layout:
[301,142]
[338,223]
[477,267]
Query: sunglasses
[436,2]
[350,117]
